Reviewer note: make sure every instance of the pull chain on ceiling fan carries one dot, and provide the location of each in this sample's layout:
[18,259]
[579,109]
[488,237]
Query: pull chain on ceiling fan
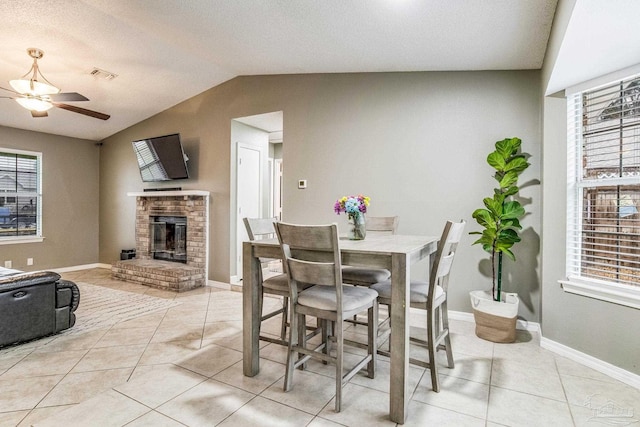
[39,96]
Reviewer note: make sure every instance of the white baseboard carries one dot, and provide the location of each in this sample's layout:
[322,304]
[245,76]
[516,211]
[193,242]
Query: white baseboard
[219,285]
[81,267]
[599,365]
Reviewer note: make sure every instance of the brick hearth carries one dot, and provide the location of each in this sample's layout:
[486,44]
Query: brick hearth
[159,274]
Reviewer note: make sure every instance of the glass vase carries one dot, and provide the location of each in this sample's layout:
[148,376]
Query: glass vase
[357,227]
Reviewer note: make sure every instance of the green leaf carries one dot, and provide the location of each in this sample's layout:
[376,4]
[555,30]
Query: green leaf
[511,210]
[510,254]
[494,206]
[511,223]
[509,179]
[510,191]
[484,218]
[505,148]
[508,237]
[516,164]
[496,160]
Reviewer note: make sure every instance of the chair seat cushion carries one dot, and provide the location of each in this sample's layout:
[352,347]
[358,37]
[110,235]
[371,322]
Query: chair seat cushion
[276,283]
[362,275]
[418,293]
[324,297]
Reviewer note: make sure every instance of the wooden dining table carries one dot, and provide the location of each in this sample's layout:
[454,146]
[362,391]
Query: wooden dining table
[397,253]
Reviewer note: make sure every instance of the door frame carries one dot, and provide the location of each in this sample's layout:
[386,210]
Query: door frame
[239,222]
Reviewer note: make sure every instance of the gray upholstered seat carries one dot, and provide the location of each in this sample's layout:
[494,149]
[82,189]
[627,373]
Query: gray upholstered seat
[363,276]
[418,293]
[324,298]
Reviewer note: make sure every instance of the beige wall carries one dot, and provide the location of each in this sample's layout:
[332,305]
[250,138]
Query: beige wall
[601,329]
[69,201]
[416,143]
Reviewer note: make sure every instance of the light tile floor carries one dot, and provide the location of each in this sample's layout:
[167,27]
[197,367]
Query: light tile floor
[183,366]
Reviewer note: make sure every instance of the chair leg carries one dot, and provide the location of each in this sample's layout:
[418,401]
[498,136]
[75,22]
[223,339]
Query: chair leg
[302,337]
[372,318]
[292,353]
[447,338]
[431,350]
[338,332]
[285,319]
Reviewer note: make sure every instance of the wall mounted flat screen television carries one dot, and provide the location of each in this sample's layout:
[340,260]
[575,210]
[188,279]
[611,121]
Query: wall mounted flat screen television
[161,158]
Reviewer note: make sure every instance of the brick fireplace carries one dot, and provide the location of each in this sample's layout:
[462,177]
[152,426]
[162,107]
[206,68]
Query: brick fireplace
[171,241]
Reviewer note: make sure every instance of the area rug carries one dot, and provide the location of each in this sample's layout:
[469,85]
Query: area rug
[102,307]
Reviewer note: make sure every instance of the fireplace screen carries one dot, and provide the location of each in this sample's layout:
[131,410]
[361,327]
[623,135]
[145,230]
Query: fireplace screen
[169,238]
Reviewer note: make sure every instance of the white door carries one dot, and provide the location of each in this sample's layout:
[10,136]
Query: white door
[277,189]
[248,193]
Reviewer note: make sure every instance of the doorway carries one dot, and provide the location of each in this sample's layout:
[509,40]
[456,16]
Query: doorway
[256,177]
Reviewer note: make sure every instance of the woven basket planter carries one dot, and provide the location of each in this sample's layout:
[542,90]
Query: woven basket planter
[495,321]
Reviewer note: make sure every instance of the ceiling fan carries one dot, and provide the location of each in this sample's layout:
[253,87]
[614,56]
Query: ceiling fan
[38,96]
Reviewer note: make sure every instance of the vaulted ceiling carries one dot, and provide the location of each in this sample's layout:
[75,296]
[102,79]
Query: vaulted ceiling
[166,51]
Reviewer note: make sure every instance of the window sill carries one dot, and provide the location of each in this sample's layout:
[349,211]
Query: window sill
[18,240]
[606,291]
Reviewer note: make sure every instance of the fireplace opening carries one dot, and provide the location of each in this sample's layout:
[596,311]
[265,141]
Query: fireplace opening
[168,238]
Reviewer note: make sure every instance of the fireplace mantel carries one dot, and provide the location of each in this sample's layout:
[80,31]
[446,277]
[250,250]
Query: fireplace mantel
[169,193]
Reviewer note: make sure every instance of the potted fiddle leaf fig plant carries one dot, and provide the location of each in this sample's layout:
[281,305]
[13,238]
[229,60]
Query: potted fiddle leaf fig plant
[495,312]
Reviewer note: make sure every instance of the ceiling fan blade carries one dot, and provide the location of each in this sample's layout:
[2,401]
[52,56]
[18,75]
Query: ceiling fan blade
[68,97]
[39,113]
[84,111]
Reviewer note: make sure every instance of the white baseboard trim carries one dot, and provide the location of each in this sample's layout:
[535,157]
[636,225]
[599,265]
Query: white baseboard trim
[599,365]
[81,267]
[219,285]
[520,324]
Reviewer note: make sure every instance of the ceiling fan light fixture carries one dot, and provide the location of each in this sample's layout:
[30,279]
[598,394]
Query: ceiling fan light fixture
[33,87]
[34,104]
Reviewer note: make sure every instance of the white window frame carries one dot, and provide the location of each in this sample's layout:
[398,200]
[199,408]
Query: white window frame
[610,291]
[38,237]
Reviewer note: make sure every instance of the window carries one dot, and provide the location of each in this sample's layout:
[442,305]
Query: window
[20,196]
[603,230]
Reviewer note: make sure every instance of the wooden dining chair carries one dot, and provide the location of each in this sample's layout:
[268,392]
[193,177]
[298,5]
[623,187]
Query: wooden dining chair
[363,276]
[278,285]
[432,297]
[311,255]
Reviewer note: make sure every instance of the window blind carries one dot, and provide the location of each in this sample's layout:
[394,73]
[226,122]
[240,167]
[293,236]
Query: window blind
[20,207]
[603,230]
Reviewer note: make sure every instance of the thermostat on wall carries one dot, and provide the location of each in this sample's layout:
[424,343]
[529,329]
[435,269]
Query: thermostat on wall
[302,183]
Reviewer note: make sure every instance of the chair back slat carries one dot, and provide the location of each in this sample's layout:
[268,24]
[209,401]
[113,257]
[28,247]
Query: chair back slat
[316,273]
[444,256]
[455,232]
[444,266]
[382,224]
[311,255]
[260,228]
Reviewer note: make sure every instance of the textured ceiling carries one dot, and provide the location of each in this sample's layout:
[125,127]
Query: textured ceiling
[166,51]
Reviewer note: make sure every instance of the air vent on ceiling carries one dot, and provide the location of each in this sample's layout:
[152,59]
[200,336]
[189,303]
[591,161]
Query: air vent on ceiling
[102,74]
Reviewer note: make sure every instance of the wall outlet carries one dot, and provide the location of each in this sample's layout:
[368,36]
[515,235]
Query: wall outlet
[29,261]
[302,183]
[8,264]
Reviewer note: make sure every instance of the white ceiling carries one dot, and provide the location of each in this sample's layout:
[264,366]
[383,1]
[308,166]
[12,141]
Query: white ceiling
[602,37]
[166,51]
